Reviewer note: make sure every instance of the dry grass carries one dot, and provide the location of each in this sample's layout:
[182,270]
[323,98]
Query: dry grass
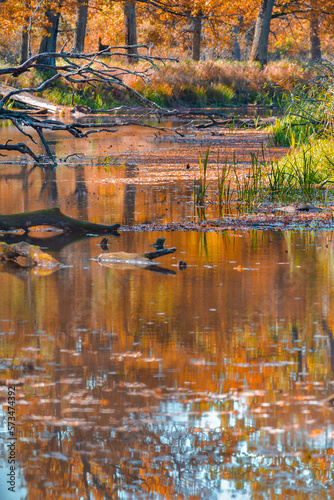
[240,81]
[286,74]
[204,83]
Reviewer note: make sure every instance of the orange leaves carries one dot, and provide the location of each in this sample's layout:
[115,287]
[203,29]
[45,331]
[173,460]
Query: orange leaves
[240,268]
[316,433]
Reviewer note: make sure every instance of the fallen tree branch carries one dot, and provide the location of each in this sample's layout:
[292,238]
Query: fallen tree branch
[52,217]
[21,148]
[137,259]
[77,69]
[76,129]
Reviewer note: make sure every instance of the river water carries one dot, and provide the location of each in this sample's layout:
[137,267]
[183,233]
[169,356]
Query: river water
[208,382]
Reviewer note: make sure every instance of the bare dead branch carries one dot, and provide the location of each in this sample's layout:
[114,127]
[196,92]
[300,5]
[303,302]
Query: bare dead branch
[21,148]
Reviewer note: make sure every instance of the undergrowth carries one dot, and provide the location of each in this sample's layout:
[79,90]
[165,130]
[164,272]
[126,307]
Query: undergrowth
[302,176]
[217,83]
[187,83]
[308,110]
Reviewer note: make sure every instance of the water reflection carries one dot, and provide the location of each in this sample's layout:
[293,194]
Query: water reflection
[200,384]
[208,382]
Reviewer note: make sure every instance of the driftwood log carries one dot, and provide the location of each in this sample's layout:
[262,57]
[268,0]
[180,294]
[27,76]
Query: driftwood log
[31,100]
[52,217]
[136,259]
[26,255]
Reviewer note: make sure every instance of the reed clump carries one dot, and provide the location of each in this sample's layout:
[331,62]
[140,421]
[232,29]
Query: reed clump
[201,187]
[299,177]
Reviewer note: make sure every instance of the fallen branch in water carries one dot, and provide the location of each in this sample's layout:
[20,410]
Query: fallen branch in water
[55,218]
[138,259]
[76,69]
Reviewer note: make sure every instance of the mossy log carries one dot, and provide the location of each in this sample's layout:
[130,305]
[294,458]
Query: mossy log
[52,217]
[26,255]
[138,259]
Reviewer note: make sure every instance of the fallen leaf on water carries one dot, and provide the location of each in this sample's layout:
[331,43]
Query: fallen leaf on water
[315,433]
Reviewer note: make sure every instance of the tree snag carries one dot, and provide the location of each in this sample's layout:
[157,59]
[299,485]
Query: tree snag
[52,217]
[137,259]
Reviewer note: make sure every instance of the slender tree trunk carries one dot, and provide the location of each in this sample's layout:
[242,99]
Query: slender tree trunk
[261,35]
[236,45]
[197,27]
[49,42]
[24,44]
[80,27]
[130,28]
[315,44]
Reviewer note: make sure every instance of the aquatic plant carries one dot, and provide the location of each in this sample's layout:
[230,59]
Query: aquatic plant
[301,176]
[224,188]
[291,131]
[279,182]
[201,188]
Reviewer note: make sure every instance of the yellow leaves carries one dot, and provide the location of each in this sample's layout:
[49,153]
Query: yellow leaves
[240,268]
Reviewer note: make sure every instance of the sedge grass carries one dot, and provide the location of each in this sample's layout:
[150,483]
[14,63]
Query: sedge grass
[201,189]
[300,177]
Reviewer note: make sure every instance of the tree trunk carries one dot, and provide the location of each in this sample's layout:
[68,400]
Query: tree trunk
[80,27]
[130,28]
[261,35]
[24,45]
[55,218]
[197,27]
[315,45]
[236,45]
[49,41]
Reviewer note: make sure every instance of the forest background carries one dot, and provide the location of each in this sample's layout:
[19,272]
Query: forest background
[223,47]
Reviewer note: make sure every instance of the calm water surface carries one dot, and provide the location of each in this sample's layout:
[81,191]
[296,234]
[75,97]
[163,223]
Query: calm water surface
[159,383]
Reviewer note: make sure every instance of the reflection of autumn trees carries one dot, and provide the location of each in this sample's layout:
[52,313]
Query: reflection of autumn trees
[141,453]
[122,396]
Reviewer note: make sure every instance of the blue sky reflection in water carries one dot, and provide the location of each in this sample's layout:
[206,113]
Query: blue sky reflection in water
[207,382]
[197,384]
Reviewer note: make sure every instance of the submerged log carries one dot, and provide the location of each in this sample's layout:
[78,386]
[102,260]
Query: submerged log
[54,242]
[159,253]
[297,208]
[26,255]
[52,217]
[138,259]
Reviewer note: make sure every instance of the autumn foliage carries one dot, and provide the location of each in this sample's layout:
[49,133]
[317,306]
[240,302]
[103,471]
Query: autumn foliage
[223,29]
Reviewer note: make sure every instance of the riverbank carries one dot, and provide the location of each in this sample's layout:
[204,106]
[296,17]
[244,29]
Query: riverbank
[185,83]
